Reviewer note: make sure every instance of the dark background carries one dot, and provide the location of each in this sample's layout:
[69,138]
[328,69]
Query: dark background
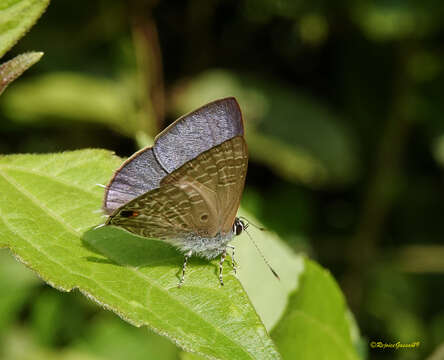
[348,96]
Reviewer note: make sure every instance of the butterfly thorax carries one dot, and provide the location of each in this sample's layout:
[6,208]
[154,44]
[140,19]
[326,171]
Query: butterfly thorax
[206,247]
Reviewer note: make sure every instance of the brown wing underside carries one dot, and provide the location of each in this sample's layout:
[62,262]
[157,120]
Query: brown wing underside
[202,196]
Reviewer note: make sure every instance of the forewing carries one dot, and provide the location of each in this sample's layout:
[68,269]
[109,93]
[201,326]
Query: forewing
[221,171]
[183,140]
[197,132]
[138,174]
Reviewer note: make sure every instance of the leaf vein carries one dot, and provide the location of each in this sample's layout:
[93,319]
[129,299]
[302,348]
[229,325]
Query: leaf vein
[138,273]
[60,181]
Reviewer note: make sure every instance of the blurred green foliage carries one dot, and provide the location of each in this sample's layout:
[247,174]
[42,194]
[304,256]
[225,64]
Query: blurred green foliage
[62,97]
[314,150]
[343,105]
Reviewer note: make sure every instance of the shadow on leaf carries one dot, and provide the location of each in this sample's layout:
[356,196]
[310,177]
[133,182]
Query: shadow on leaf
[122,248]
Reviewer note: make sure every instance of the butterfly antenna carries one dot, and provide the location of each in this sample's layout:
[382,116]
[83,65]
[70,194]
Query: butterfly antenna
[263,257]
[248,223]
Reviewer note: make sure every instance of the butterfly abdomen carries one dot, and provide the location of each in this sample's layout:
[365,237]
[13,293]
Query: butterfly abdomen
[206,247]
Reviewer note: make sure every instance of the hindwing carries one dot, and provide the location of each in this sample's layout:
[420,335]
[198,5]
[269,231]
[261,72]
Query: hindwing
[201,197]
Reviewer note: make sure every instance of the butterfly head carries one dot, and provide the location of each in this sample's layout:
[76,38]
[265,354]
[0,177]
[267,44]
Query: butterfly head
[239,226]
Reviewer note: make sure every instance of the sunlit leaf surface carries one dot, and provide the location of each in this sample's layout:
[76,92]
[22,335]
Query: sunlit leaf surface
[268,294]
[47,205]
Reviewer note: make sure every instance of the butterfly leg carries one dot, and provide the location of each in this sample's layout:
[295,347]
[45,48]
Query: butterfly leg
[233,261]
[221,263]
[184,266]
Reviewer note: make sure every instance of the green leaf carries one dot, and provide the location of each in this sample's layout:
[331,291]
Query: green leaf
[58,318]
[46,218]
[112,339]
[268,294]
[397,20]
[310,144]
[74,97]
[16,18]
[316,324]
[46,310]
[12,69]
[16,284]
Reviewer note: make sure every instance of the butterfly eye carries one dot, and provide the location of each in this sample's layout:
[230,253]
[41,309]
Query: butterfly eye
[204,217]
[128,213]
[239,228]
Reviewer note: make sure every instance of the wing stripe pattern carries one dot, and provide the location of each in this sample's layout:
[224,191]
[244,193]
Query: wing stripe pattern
[201,197]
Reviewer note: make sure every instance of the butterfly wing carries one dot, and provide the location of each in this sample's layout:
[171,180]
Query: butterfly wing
[138,174]
[220,171]
[186,138]
[201,197]
[168,212]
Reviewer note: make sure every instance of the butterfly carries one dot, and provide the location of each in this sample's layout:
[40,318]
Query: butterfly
[186,188]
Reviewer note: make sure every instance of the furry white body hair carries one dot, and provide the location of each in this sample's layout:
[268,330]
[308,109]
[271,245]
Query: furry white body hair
[206,247]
